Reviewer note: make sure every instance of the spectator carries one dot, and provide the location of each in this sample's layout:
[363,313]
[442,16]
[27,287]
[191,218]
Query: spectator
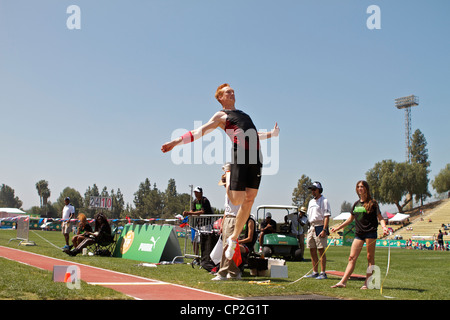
[200,205]
[248,237]
[83,227]
[267,226]
[298,221]
[440,239]
[319,213]
[366,214]
[228,268]
[68,212]
[102,233]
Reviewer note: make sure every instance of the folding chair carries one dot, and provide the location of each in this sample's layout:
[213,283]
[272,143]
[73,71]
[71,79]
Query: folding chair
[105,247]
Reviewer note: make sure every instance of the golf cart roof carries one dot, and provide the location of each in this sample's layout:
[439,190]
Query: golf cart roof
[278,211]
[277,207]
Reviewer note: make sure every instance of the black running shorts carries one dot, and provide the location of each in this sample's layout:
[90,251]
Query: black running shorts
[245,176]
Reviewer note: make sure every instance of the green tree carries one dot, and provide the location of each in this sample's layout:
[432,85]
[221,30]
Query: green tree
[301,194]
[44,193]
[415,179]
[139,199]
[8,198]
[90,192]
[385,181]
[128,211]
[441,182]
[419,151]
[155,201]
[118,204]
[184,203]
[390,182]
[75,199]
[172,200]
[149,201]
[419,156]
[152,203]
[346,206]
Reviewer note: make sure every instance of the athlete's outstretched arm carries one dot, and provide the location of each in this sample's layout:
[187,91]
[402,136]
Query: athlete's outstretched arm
[267,135]
[216,121]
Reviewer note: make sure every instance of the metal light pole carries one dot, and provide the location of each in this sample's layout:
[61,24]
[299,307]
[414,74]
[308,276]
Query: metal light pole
[190,199]
[406,103]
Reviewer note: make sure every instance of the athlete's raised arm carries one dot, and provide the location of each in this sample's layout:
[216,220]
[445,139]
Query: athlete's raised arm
[217,120]
[267,135]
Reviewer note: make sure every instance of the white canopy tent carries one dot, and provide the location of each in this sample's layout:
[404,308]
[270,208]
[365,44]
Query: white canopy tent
[342,216]
[399,217]
[11,212]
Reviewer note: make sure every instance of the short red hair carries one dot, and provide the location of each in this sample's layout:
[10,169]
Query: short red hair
[219,90]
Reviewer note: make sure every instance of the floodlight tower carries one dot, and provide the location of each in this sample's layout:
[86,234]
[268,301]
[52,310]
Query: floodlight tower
[406,103]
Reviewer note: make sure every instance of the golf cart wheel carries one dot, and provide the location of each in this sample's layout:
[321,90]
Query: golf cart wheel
[298,255]
[267,252]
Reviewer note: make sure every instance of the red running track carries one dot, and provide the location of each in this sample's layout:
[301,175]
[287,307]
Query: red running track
[134,286]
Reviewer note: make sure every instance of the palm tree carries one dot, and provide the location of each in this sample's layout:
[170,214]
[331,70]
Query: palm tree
[43,191]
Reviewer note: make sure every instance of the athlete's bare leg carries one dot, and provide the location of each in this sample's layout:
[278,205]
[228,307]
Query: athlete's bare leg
[236,197]
[243,198]
[244,211]
[241,218]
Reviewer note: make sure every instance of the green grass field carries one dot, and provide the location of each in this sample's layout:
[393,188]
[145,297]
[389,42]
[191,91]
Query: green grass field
[413,275]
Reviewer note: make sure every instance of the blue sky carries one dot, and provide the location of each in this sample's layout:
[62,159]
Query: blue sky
[95,105]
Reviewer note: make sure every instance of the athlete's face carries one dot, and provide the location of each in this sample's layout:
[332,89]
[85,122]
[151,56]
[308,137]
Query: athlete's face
[227,95]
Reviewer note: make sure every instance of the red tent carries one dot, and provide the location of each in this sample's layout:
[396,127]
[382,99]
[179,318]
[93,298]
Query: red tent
[390,215]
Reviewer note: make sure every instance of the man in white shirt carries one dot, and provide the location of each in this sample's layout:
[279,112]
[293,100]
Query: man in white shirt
[68,212]
[319,213]
[228,268]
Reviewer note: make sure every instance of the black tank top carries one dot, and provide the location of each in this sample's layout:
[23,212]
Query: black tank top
[242,132]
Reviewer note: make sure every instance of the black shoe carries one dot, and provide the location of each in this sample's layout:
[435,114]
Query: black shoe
[73,252]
